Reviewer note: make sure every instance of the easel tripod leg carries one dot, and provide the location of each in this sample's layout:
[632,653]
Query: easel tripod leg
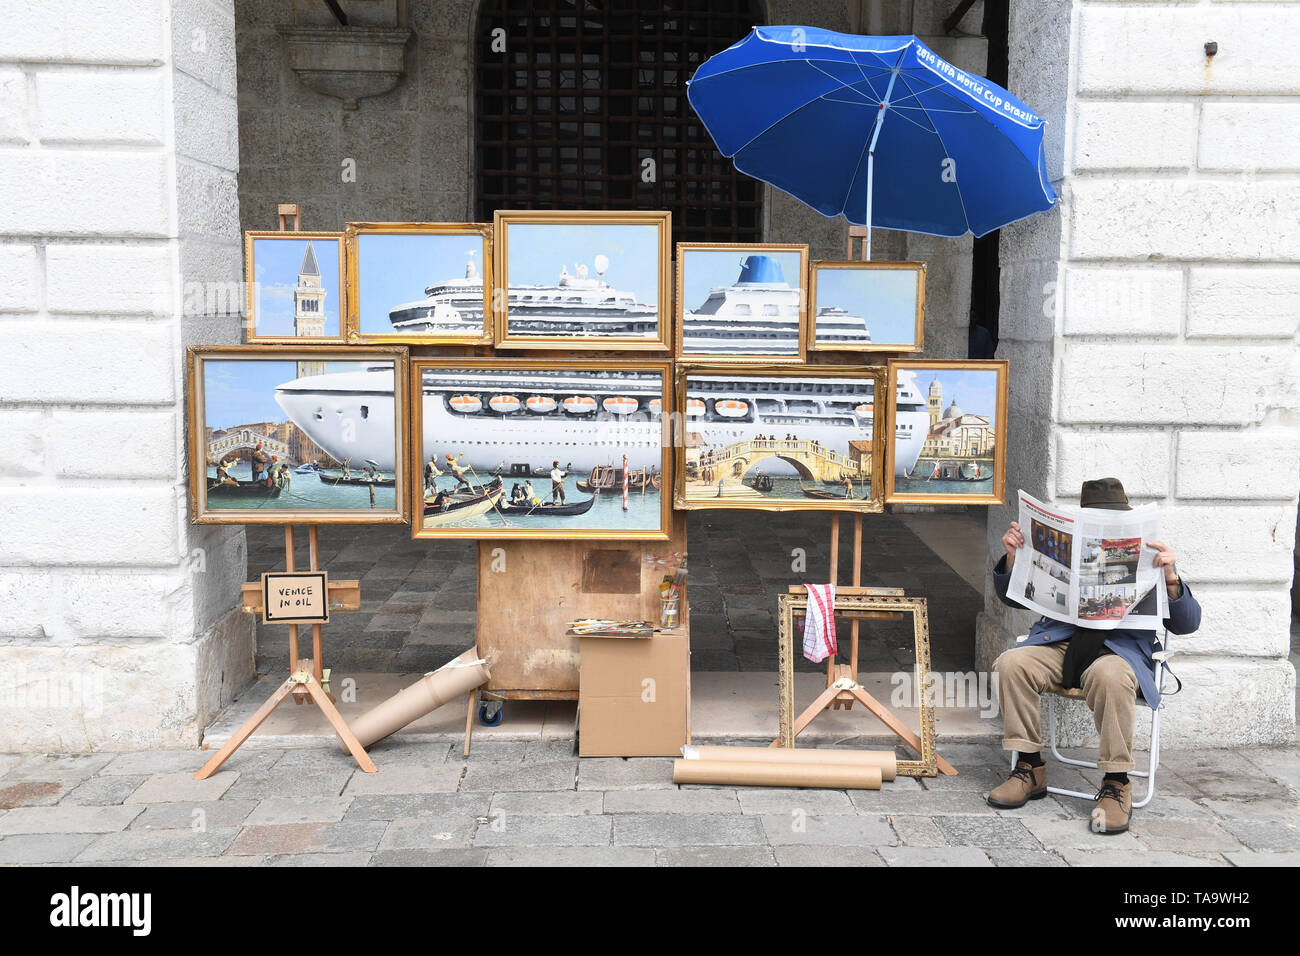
[336,721]
[246,731]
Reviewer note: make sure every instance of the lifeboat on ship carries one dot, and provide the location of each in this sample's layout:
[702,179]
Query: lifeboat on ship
[505,404]
[694,407]
[541,404]
[579,405]
[466,404]
[620,405]
[655,405]
[731,408]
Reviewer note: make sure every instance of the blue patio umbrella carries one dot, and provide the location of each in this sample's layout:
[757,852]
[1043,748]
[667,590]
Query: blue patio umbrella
[881,130]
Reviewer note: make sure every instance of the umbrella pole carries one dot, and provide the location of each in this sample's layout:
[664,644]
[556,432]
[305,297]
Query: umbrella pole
[871,155]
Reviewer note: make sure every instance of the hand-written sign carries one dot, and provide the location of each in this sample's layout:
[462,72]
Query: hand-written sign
[298,597]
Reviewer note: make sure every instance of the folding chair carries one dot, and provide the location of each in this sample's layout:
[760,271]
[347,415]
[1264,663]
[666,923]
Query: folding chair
[1158,668]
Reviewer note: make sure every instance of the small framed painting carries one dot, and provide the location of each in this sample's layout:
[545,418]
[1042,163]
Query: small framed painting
[951,421]
[294,287]
[420,283]
[313,435]
[583,280]
[741,302]
[539,449]
[774,438]
[867,307]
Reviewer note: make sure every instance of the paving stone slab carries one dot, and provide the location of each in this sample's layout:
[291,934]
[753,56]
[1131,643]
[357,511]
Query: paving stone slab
[190,862]
[1016,856]
[104,791]
[1278,835]
[149,845]
[667,830]
[181,787]
[671,801]
[32,848]
[918,831]
[1054,834]
[824,856]
[619,773]
[913,801]
[948,856]
[304,782]
[548,803]
[309,838]
[543,775]
[716,856]
[1184,836]
[433,832]
[211,814]
[799,828]
[396,806]
[764,801]
[67,819]
[66,769]
[405,778]
[990,831]
[1265,858]
[545,831]
[433,858]
[278,810]
[592,856]
[348,858]
[150,762]
[1129,858]
[32,793]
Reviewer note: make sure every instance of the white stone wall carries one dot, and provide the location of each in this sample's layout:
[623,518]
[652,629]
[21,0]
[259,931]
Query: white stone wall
[117,136]
[1151,323]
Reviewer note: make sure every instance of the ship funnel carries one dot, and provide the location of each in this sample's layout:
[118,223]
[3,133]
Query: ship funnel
[762,269]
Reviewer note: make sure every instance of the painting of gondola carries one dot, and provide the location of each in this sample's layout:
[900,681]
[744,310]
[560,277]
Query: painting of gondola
[514,448]
[960,444]
[582,280]
[307,435]
[774,438]
[741,302]
[866,306]
[420,283]
[294,287]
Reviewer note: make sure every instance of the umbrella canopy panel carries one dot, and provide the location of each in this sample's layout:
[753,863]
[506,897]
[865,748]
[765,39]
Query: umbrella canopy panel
[797,107]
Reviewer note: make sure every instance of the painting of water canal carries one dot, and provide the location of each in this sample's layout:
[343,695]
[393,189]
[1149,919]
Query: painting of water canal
[752,436]
[539,449]
[297,436]
[961,443]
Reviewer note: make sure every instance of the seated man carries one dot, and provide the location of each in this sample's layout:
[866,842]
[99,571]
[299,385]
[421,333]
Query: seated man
[1109,666]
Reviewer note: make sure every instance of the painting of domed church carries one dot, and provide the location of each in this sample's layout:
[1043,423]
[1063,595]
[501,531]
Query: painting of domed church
[963,452]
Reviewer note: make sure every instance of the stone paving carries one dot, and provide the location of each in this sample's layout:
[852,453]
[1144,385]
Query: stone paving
[527,803]
[419,597]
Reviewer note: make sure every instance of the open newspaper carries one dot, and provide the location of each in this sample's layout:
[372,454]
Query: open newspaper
[1090,567]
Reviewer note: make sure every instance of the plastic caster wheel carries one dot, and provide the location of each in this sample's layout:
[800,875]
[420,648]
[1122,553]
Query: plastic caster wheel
[489,715]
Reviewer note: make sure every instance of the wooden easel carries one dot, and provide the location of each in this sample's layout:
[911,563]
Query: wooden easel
[846,675]
[308,680]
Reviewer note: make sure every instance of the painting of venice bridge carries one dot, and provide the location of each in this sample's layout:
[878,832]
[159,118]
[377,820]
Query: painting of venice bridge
[755,468]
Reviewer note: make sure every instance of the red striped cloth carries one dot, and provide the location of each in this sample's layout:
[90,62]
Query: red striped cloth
[819,623]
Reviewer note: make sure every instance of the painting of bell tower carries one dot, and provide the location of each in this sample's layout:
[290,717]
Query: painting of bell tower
[309,307]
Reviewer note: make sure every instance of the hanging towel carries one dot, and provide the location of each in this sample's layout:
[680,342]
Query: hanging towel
[819,623]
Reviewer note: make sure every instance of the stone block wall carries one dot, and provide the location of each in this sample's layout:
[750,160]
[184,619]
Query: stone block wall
[117,133]
[1156,319]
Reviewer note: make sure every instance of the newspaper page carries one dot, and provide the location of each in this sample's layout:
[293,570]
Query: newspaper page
[1090,567]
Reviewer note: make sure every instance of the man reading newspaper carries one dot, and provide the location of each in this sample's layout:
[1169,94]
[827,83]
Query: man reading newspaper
[1108,661]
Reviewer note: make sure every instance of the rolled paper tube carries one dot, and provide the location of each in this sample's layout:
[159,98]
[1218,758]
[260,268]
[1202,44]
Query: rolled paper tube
[424,696]
[884,759]
[732,773]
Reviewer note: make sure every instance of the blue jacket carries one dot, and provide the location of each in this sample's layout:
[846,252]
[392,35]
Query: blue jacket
[1135,646]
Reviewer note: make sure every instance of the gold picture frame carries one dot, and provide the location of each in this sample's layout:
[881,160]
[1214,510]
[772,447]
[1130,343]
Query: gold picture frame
[533,521]
[918,334]
[954,450]
[294,438]
[787,604]
[480,231]
[685,249]
[506,337]
[252,287]
[803,454]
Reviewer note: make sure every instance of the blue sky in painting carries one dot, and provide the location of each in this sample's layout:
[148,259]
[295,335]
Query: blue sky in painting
[974,390]
[275,270]
[394,270]
[885,298]
[537,251]
[703,269]
[239,391]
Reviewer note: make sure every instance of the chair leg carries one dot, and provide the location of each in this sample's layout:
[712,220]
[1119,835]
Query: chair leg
[1155,760]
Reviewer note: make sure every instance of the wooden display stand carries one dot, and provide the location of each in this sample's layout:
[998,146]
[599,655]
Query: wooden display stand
[530,591]
[835,698]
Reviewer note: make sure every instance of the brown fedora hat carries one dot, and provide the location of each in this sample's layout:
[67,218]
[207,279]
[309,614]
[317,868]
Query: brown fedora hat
[1105,493]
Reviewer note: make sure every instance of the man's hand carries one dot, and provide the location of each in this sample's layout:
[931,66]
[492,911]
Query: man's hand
[1165,558]
[1013,541]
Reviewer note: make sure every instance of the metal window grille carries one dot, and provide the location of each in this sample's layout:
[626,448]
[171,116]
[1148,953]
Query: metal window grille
[576,97]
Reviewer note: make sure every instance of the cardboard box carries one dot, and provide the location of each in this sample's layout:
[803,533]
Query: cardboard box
[634,695]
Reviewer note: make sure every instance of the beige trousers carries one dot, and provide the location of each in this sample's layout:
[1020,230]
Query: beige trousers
[1109,686]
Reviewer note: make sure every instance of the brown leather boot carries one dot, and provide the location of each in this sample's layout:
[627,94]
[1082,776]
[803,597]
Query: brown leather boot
[1114,807]
[1025,783]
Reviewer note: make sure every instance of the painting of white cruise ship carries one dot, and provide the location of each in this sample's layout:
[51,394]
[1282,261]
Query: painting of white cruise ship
[741,301]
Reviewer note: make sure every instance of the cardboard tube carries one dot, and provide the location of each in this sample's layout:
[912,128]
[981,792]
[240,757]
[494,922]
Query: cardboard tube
[884,759]
[738,773]
[427,694]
